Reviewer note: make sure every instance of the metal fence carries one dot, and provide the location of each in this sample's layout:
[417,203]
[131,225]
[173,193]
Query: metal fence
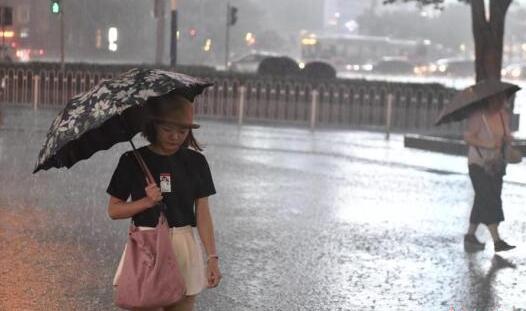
[336,103]
[408,108]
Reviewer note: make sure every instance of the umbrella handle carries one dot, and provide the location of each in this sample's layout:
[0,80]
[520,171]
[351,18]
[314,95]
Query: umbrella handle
[142,164]
[144,167]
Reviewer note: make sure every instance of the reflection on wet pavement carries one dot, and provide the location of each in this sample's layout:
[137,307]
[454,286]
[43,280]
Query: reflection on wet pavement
[325,220]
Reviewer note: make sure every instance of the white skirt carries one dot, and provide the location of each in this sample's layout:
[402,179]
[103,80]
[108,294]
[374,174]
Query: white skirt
[189,255]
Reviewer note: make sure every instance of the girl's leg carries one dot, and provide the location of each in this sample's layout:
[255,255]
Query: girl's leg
[472,228]
[471,243]
[186,304]
[500,245]
[494,230]
[480,188]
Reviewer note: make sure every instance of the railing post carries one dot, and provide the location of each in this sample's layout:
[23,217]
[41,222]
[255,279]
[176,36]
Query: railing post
[388,115]
[36,91]
[241,103]
[313,109]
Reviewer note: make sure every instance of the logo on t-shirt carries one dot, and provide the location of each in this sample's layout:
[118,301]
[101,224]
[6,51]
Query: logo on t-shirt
[166,182]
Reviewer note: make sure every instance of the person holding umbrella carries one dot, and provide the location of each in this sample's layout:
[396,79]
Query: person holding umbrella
[487,135]
[169,179]
[183,180]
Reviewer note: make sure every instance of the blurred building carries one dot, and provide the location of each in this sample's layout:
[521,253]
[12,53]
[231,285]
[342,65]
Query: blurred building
[295,15]
[95,31]
[340,15]
[16,33]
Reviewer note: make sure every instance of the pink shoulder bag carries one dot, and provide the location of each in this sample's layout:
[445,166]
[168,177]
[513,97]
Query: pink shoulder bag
[150,276]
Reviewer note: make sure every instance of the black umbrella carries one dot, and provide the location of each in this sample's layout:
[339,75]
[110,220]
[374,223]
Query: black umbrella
[109,113]
[469,99]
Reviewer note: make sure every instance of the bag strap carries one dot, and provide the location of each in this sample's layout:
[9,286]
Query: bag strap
[489,131]
[148,177]
[486,124]
[478,151]
[504,127]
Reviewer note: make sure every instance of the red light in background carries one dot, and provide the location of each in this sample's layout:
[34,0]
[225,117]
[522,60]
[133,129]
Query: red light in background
[24,55]
[41,52]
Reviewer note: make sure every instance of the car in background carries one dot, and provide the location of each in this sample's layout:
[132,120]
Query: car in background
[455,66]
[280,66]
[250,63]
[393,65]
[460,67]
[318,70]
[514,71]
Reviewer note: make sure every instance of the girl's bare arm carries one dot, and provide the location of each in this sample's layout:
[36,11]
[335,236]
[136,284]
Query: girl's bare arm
[119,209]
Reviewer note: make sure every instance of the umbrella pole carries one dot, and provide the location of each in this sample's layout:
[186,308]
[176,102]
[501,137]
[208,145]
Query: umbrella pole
[147,173]
[142,164]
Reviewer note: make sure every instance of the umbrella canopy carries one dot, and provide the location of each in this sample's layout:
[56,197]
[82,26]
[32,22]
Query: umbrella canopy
[470,98]
[109,113]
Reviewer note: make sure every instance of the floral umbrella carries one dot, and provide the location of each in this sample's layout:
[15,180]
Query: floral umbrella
[109,113]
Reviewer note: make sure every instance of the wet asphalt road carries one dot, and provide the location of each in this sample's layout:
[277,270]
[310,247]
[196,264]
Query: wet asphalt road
[325,220]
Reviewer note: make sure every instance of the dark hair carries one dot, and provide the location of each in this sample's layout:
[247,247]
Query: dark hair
[155,108]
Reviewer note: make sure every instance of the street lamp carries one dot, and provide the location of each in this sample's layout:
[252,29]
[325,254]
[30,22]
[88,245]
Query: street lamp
[173,35]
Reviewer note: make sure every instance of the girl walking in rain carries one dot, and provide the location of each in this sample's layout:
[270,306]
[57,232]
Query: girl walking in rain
[183,183]
[487,134]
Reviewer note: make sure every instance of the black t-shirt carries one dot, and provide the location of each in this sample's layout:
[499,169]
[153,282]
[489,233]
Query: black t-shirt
[183,177]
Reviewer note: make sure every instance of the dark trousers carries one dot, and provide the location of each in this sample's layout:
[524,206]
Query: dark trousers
[487,206]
